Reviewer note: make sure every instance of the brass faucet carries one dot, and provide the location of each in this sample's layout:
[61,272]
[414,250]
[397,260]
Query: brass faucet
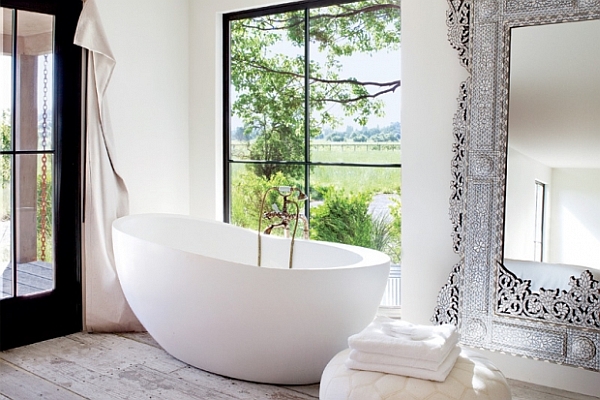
[284,217]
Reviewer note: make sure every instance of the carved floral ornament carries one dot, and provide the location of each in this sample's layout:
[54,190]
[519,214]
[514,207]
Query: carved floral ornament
[493,308]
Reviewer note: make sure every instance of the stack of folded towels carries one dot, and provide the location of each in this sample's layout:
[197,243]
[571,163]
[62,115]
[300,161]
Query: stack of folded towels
[401,348]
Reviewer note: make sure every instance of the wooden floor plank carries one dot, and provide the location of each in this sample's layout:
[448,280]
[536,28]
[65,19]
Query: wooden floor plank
[238,389]
[103,353]
[116,351]
[311,390]
[169,387]
[528,391]
[16,383]
[136,382]
[142,337]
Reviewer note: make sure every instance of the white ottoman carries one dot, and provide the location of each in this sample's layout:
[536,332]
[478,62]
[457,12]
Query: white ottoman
[472,378]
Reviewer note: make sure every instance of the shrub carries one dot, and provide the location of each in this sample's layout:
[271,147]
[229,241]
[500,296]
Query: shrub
[343,218]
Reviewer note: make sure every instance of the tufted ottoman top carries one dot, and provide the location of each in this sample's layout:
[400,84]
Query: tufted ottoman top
[473,378]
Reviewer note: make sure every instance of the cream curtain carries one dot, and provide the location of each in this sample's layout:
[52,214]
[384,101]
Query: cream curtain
[106,197]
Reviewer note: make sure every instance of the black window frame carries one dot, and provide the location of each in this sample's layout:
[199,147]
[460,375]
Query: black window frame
[306,163]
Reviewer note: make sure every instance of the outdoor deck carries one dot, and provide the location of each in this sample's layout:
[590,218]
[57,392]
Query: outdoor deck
[33,277]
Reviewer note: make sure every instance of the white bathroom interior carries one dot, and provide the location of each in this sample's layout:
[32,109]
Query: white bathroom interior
[166,112]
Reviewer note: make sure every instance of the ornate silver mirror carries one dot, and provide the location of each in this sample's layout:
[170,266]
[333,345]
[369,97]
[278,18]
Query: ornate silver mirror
[525,203]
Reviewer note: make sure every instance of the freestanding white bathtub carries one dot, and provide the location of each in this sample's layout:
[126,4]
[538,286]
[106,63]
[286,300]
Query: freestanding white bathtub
[195,287]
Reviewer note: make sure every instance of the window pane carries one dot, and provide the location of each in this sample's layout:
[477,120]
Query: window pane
[355,81]
[6,81]
[357,205]
[34,115]
[267,88]
[34,219]
[249,185]
[5,226]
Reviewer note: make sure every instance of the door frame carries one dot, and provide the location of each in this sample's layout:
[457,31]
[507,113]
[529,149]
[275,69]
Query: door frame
[33,318]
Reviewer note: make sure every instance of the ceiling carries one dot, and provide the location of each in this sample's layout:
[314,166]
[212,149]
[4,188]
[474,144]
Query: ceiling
[554,102]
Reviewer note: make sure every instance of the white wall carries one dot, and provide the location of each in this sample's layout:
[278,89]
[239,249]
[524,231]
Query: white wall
[575,217]
[431,76]
[148,100]
[519,230]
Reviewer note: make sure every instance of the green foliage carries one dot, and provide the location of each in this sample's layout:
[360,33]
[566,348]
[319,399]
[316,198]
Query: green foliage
[247,191]
[5,142]
[394,247]
[343,218]
[269,86]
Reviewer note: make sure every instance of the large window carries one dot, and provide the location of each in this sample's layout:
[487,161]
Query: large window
[312,100]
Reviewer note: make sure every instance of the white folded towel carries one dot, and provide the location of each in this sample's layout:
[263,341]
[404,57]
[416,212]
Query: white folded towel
[414,332]
[374,358]
[386,336]
[439,376]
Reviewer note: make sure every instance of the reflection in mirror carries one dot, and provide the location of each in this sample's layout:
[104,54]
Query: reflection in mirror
[553,166]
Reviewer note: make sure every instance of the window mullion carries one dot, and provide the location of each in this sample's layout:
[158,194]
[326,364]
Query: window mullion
[13,158]
[307,110]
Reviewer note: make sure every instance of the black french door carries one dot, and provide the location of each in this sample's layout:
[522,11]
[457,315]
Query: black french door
[41,158]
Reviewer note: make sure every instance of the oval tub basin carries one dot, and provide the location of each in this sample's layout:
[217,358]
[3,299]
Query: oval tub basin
[195,286]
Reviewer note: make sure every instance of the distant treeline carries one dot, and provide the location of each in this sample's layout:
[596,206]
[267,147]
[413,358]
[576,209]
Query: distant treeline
[390,133]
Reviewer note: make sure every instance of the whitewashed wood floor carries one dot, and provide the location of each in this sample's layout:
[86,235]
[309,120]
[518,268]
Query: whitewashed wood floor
[133,366]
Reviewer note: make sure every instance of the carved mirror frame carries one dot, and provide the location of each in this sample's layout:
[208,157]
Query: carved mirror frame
[493,308]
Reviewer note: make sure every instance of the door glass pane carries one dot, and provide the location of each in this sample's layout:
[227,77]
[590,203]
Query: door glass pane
[34,89]
[5,225]
[6,78]
[35,269]
[355,83]
[6,85]
[27,153]
[267,88]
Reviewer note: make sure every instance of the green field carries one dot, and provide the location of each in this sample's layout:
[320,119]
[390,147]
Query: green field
[354,179]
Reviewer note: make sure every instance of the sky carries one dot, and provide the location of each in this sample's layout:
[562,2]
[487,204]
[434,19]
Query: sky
[382,67]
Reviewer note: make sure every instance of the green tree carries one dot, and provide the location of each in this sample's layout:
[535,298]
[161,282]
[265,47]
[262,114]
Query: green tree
[269,82]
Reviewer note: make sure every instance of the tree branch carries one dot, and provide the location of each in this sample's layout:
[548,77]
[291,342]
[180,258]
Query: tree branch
[350,13]
[395,83]
[365,96]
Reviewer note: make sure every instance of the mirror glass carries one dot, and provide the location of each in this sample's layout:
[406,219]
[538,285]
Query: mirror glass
[552,213]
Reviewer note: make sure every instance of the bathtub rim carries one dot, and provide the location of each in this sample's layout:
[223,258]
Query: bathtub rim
[369,257]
